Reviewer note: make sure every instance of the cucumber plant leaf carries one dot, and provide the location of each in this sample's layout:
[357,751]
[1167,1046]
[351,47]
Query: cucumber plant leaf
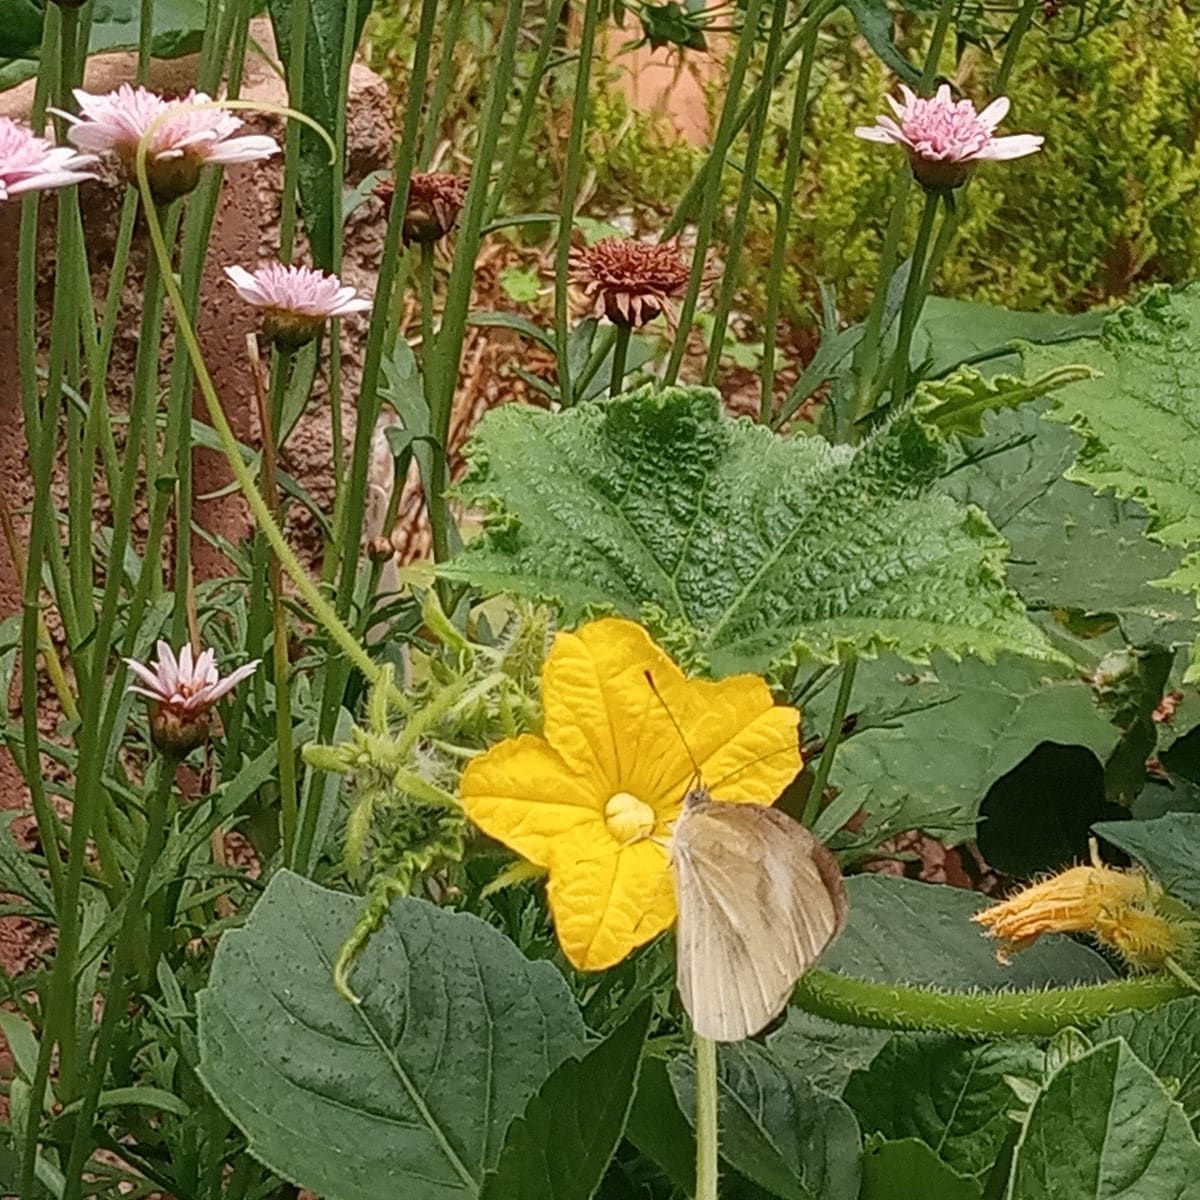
[410,1092]
[738,548]
[1104,1128]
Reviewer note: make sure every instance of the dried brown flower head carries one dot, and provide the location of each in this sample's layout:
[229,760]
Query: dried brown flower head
[435,201]
[630,282]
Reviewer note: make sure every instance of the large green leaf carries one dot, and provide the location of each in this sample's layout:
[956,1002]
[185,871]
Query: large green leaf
[1139,421]
[740,547]
[1168,847]
[1060,532]
[825,1053]
[901,931]
[776,1128]
[659,1129]
[410,1092]
[947,1093]
[322,77]
[1104,1128]
[908,1170]
[1167,1040]
[560,1147]
[964,726]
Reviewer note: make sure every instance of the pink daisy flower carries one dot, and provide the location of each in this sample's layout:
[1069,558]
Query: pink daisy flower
[190,138]
[296,301]
[183,691]
[29,163]
[945,137]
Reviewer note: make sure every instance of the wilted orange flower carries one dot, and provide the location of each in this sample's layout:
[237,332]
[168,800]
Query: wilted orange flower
[630,282]
[1120,909]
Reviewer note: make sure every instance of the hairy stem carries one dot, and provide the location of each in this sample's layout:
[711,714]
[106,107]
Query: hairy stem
[707,1130]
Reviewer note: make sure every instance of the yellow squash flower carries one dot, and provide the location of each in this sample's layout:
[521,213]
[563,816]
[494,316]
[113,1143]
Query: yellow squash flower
[594,800]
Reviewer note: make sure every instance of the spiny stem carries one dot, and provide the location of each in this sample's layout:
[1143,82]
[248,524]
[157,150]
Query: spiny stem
[1033,1013]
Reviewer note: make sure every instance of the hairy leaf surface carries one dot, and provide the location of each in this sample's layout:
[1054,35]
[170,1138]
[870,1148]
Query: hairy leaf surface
[738,547]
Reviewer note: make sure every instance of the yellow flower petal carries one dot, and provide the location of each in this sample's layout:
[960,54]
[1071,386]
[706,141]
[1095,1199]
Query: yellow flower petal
[603,717]
[608,899]
[522,793]
[597,701]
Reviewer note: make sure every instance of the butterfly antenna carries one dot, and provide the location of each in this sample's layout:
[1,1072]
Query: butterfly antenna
[678,729]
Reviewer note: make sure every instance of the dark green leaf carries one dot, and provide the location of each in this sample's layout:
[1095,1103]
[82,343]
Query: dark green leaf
[322,76]
[1104,1128]
[776,1128]
[410,1092]
[1167,1040]
[19,876]
[1169,848]
[874,20]
[909,1170]
[659,1129]
[901,931]
[975,722]
[739,547]
[560,1147]
[947,1093]
[823,1052]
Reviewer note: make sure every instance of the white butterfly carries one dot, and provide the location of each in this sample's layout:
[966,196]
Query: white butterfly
[759,900]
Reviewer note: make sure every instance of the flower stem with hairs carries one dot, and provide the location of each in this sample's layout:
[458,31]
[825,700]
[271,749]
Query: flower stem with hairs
[620,356]
[812,805]
[915,292]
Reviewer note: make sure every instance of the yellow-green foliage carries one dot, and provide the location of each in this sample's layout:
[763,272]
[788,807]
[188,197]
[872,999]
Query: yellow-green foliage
[1111,202]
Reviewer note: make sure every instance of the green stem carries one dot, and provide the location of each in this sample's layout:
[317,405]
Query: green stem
[783,217]
[116,993]
[726,129]
[741,216]
[348,521]
[529,98]
[620,354]
[572,172]
[812,805]
[443,78]
[318,605]
[269,412]
[1034,1013]
[936,45]
[297,53]
[914,298]
[707,1129]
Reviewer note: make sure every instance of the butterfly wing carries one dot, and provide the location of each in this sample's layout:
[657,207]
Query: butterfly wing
[759,900]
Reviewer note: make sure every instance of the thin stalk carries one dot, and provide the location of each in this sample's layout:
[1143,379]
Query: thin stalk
[462,274]
[787,197]
[936,44]
[812,805]
[297,53]
[116,992]
[348,522]
[425,283]
[712,196]
[572,172]
[707,1129]
[914,298]
[443,78]
[145,39]
[529,97]
[741,216]
[319,606]
[699,184]
[281,668]
[620,354]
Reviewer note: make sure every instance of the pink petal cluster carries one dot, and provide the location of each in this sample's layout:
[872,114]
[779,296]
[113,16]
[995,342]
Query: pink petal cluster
[300,290]
[186,686]
[29,163]
[191,136]
[944,136]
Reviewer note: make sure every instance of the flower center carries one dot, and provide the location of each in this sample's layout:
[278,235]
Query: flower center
[628,818]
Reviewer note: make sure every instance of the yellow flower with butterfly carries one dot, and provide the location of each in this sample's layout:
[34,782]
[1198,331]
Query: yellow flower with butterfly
[647,799]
